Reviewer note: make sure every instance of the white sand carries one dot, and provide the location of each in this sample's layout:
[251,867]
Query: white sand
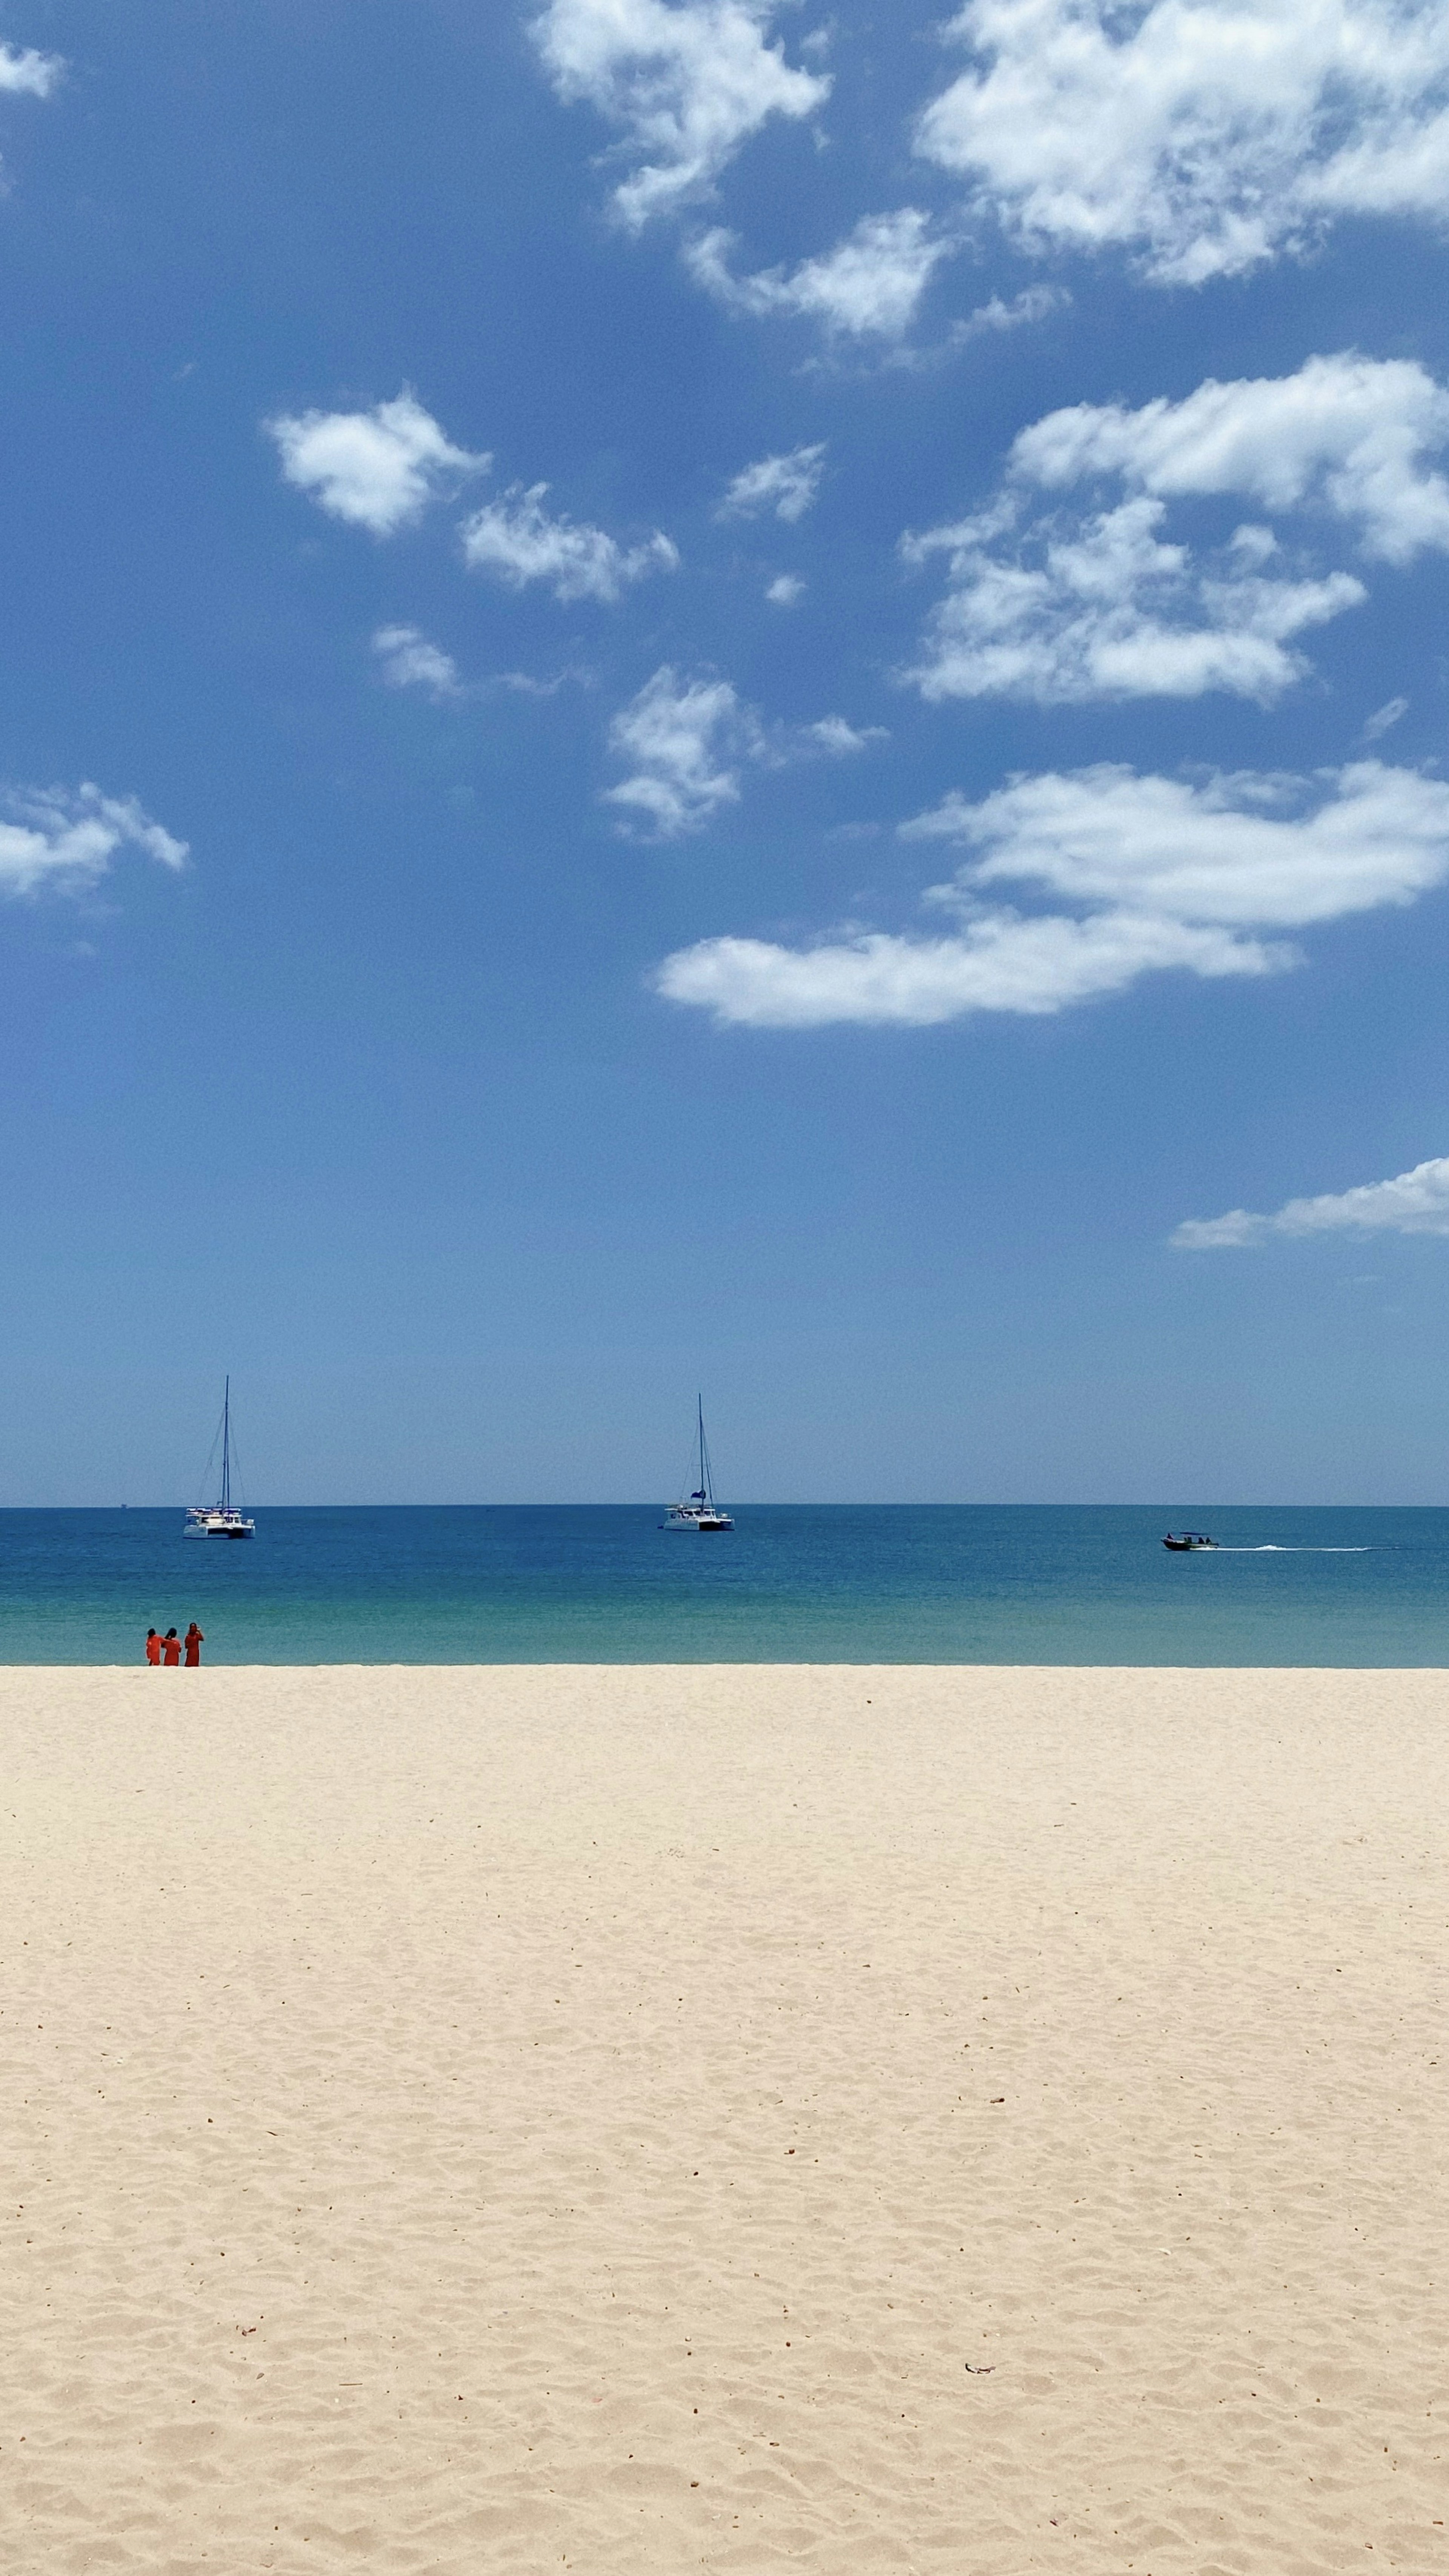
[520,2119]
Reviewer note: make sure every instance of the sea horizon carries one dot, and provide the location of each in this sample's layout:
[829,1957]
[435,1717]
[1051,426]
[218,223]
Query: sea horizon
[798,1503]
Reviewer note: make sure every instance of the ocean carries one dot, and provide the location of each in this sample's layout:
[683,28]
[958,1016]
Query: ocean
[802,1583]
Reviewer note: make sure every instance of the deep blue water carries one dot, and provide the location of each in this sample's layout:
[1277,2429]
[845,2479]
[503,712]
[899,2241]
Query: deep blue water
[842,1583]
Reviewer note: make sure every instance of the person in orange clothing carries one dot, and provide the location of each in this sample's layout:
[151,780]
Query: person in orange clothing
[170,1647]
[194,1643]
[153,1647]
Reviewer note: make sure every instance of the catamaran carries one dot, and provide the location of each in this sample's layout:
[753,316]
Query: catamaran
[699,1510]
[220,1519]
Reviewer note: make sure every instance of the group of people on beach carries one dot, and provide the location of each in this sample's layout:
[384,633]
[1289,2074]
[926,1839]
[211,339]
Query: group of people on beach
[172,1649]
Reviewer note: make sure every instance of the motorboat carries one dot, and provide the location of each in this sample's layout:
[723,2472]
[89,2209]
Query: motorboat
[220,1519]
[1188,1542]
[699,1510]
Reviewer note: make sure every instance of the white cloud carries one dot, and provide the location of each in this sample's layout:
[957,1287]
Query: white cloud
[1097,605]
[833,734]
[785,590]
[410,661]
[525,685]
[869,285]
[1161,875]
[1032,305]
[378,469]
[66,838]
[1415,1202]
[516,539]
[1201,135]
[785,484]
[688,85]
[1346,435]
[1107,610]
[681,737]
[1383,717]
[26,72]
[685,741]
[999,962]
[1244,849]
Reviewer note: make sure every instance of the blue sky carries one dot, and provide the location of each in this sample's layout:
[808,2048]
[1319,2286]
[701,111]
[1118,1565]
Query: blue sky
[698,694]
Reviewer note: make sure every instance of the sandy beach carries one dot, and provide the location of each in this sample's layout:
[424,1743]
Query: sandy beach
[737,2118]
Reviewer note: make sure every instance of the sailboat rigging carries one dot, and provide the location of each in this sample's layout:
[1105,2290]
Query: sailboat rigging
[699,1510]
[220,1519]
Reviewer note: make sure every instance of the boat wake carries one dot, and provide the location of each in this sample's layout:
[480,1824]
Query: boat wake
[1270,1547]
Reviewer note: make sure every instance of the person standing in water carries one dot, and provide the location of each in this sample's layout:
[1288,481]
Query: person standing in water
[170,1648]
[194,1643]
[153,1647]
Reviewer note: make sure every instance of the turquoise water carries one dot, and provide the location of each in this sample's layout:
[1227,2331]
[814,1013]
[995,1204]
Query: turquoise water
[843,1583]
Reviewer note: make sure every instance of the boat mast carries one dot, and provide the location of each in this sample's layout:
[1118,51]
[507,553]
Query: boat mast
[705,1495]
[226,1446]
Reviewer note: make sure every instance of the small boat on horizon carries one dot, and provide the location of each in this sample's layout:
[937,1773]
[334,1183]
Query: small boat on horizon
[220,1519]
[1188,1542]
[699,1510]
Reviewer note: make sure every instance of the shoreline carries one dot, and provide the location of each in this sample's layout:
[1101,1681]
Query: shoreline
[659,2116]
[803,1664]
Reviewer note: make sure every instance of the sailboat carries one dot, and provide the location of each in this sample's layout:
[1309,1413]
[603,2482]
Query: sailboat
[220,1519]
[699,1510]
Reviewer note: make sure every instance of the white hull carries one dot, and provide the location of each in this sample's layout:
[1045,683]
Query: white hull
[204,1524]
